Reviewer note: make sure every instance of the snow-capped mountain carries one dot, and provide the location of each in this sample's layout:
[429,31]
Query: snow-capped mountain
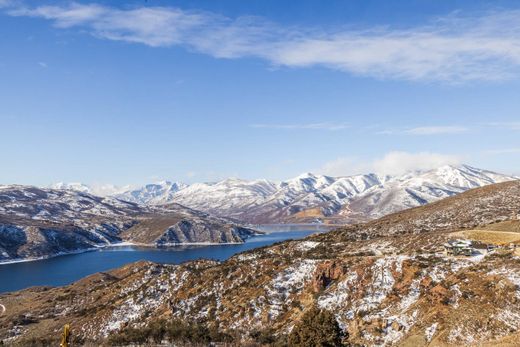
[76,186]
[416,189]
[153,194]
[230,197]
[312,198]
[99,190]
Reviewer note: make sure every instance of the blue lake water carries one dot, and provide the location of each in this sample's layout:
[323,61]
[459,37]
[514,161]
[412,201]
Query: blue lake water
[66,269]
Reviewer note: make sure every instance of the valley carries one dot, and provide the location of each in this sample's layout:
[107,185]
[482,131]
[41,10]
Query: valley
[387,282]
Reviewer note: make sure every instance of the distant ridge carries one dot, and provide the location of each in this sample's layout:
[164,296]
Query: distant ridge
[315,198]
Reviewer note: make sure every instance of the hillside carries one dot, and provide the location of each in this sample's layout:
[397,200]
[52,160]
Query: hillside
[37,223]
[476,207]
[387,282]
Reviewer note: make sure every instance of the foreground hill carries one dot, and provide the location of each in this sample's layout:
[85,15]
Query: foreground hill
[476,207]
[386,282]
[38,222]
[317,198]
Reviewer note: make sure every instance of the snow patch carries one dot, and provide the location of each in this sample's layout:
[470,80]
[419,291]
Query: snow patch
[430,331]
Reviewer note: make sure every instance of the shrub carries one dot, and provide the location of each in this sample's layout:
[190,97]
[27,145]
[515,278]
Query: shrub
[317,328]
[175,331]
[37,342]
[264,337]
[129,336]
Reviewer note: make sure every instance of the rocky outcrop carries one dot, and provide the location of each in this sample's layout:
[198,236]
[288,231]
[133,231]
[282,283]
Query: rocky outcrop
[326,273]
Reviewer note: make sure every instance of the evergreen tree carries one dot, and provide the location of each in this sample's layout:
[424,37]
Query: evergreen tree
[318,328]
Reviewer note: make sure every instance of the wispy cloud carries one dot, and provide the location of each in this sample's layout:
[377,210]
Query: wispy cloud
[426,130]
[400,162]
[43,64]
[392,163]
[453,49]
[505,125]
[310,126]
[502,151]
[6,3]
[436,130]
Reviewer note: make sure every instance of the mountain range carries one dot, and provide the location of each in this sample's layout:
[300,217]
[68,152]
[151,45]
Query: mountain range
[41,222]
[387,282]
[314,198]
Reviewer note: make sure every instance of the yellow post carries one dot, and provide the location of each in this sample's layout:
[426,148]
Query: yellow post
[65,337]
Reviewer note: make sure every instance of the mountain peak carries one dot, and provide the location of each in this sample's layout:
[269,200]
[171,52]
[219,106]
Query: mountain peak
[306,175]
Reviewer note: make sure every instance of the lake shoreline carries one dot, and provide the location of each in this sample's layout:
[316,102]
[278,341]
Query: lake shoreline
[66,268]
[269,227]
[117,245]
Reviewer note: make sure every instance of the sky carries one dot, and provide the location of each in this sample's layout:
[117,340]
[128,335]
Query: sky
[141,91]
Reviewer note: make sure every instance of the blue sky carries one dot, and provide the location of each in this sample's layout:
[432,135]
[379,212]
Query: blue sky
[106,92]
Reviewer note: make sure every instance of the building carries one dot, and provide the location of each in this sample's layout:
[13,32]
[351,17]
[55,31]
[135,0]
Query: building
[459,247]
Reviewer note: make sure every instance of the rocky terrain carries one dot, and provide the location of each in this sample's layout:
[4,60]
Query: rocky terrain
[387,282]
[317,198]
[37,223]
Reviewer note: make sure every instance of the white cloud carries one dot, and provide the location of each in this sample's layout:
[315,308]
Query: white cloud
[345,166]
[393,163]
[450,49]
[310,126]
[42,64]
[401,162]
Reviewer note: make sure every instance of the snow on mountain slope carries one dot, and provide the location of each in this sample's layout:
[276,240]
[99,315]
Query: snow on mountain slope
[315,198]
[153,194]
[311,198]
[59,205]
[308,191]
[418,188]
[99,190]
[262,201]
[150,194]
[231,197]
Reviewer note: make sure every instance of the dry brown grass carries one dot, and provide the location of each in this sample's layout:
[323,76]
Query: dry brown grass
[311,212]
[509,225]
[489,236]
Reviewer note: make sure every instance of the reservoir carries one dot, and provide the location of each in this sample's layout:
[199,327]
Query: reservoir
[66,269]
